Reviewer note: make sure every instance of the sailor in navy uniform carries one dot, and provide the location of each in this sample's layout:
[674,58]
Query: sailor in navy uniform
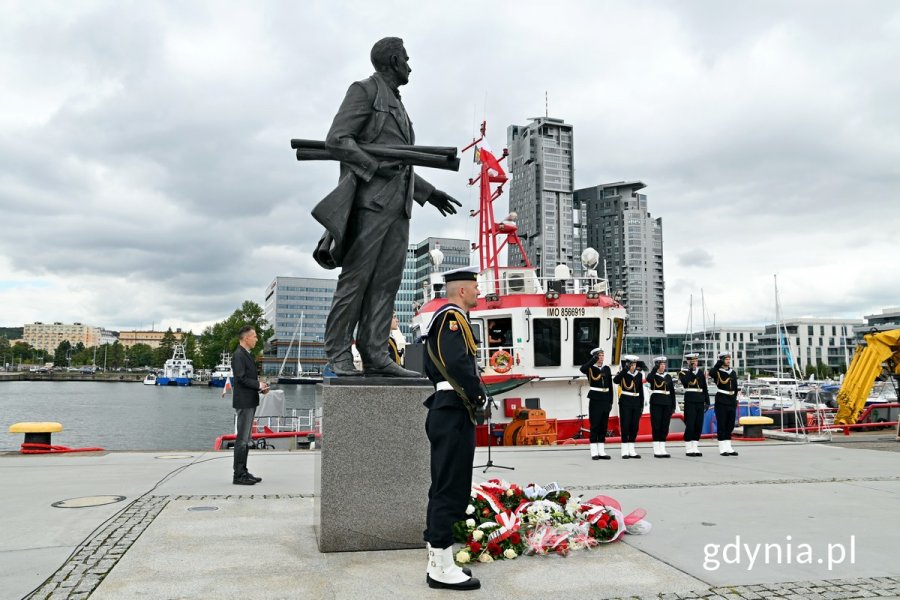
[450,365]
[696,402]
[600,396]
[662,405]
[631,403]
[725,379]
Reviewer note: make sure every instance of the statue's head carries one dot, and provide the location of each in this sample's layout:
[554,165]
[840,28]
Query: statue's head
[389,57]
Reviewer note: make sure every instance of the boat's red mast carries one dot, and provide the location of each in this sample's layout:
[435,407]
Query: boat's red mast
[488,228]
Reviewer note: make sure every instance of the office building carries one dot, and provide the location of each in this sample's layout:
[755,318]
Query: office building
[286,299]
[418,267]
[541,166]
[617,223]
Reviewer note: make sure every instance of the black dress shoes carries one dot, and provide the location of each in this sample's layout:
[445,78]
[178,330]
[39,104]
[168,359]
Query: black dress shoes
[244,480]
[253,477]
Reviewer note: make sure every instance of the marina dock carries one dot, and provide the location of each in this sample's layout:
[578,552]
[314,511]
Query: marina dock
[182,530]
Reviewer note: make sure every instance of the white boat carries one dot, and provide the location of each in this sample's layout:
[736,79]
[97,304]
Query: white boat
[300,377]
[150,379]
[547,329]
[222,371]
[178,370]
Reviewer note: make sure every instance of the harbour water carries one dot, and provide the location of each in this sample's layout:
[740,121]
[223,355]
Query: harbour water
[127,416]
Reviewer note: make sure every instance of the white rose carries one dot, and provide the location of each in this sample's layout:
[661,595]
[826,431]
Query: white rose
[462,557]
[509,492]
[510,553]
[470,509]
[477,535]
[486,558]
[470,523]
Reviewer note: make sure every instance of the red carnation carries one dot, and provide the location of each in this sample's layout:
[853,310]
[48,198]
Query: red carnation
[515,539]
[475,547]
[494,549]
[614,524]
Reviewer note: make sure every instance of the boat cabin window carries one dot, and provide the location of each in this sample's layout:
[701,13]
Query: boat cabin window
[586,338]
[619,325]
[499,332]
[546,342]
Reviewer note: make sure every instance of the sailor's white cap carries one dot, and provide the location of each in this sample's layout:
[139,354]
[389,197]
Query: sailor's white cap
[724,355]
[692,356]
[660,359]
[631,357]
[598,351]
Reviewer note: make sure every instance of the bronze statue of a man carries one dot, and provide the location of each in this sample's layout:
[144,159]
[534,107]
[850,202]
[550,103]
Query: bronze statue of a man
[378,195]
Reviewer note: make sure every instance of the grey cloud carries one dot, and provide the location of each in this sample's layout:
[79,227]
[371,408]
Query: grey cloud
[696,258]
[766,135]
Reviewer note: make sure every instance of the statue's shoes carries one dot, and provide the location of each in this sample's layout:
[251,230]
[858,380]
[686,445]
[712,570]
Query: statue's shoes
[391,369]
[345,369]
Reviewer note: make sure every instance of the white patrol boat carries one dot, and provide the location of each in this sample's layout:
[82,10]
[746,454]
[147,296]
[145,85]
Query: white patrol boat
[534,333]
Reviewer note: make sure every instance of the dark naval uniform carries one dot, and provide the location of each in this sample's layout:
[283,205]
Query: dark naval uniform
[450,425]
[600,396]
[394,352]
[662,404]
[631,403]
[726,400]
[696,401]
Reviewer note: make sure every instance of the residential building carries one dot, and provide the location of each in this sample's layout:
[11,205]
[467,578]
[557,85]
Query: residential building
[108,337]
[541,166]
[151,338]
[48,336]
[739,341]
[811,342]
[616,222]
[889,318]
[286,299]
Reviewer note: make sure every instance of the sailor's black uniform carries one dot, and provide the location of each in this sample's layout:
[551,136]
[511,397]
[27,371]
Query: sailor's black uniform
[394,352]
[631,403]
[449,425]
[662,404]
[726,400]
[696,401]
[600,396]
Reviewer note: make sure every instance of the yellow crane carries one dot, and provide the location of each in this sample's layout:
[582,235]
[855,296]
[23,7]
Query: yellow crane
[867,364]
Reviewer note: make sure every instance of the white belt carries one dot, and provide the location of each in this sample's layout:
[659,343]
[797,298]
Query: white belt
[724,392]
[659,392]
[443,386]
[593,389]
[693,390]
[629,394]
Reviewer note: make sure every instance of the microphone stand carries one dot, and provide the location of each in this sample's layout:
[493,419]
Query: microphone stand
[489,404]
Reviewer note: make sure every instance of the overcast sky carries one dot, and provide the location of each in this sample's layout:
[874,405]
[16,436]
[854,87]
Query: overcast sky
[146,175]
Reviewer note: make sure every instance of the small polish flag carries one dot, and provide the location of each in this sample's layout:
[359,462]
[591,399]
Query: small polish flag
[486,156]
[227,387]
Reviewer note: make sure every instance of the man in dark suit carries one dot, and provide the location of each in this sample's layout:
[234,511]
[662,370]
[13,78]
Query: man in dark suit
[373,248]
[247,388]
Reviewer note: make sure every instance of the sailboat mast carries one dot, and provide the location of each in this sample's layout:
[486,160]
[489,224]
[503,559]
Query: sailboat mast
[778,332]
[299,345]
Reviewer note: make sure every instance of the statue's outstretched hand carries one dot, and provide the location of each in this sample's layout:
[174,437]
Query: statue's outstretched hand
[443,202]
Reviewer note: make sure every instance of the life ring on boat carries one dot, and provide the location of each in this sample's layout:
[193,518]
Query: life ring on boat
[501,361]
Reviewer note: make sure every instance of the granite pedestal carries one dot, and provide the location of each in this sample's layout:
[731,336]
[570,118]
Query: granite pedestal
[373,472]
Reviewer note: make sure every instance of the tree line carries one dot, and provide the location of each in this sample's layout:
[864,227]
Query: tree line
[204,350]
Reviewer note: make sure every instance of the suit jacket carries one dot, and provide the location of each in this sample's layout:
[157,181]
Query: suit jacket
[370,113]
[246,381]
